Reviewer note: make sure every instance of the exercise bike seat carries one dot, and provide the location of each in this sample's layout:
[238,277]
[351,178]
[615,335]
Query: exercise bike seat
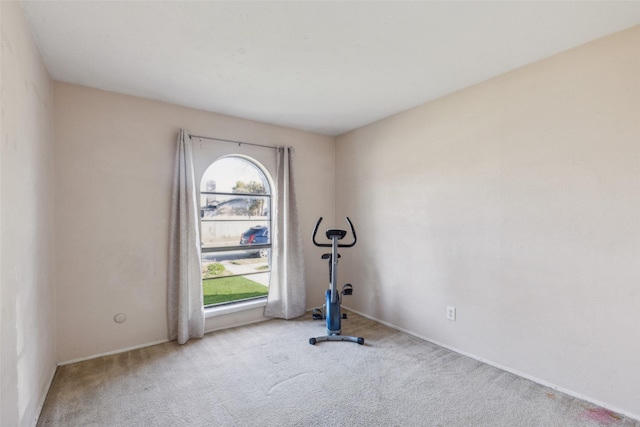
[336,232]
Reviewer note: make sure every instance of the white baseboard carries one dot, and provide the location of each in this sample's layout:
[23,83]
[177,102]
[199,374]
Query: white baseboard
[149,344]
[44,398]
[110,353]
[504,368]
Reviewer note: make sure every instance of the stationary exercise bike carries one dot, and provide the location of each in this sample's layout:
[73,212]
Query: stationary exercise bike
[331,309]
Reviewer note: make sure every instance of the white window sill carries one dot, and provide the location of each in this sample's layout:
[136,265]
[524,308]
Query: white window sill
[234,308]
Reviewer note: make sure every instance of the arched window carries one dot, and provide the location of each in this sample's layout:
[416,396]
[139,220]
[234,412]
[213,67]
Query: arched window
[235,230]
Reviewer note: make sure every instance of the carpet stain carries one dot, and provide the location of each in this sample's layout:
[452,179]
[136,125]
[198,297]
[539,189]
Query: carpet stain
[275,386]
[551,395]
[601,415]
[277,358]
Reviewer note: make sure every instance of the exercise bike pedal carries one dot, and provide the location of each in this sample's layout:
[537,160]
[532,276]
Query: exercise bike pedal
[347,289]
[344,315]
[317,314]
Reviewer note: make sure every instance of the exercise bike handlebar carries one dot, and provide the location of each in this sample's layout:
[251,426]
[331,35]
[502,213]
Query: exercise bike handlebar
[328,245]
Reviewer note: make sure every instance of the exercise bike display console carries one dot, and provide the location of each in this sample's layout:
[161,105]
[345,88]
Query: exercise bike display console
[331,309]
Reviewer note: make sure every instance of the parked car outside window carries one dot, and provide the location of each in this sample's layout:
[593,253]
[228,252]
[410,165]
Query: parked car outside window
[257,235]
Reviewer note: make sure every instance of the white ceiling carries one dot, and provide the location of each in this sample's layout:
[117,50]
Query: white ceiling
[326,67]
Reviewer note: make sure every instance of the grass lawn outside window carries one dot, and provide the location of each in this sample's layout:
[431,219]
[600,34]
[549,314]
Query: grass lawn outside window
[227,289]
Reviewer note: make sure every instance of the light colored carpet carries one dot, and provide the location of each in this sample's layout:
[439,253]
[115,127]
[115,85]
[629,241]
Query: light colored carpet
[267,374]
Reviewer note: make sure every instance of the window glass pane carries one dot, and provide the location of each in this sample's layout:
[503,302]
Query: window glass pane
[234,175]
[219,207]
[235,212]
[234,288]
[238,262]
[234,233]
[234,276]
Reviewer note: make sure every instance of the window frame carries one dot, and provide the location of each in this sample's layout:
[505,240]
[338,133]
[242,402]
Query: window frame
[252,302]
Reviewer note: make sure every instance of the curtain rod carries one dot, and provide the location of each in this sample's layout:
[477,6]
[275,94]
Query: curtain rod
[234,142]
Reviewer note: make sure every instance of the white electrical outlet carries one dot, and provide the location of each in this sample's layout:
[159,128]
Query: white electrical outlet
[451,313]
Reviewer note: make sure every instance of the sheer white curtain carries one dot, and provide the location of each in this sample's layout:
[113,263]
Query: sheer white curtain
[286,297]
[185,309]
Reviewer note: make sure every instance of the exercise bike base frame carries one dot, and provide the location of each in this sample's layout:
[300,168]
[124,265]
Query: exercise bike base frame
[358,340]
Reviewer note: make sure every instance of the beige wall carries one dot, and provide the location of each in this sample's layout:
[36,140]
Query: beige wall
[114,171]
[518,202]
[27,322]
